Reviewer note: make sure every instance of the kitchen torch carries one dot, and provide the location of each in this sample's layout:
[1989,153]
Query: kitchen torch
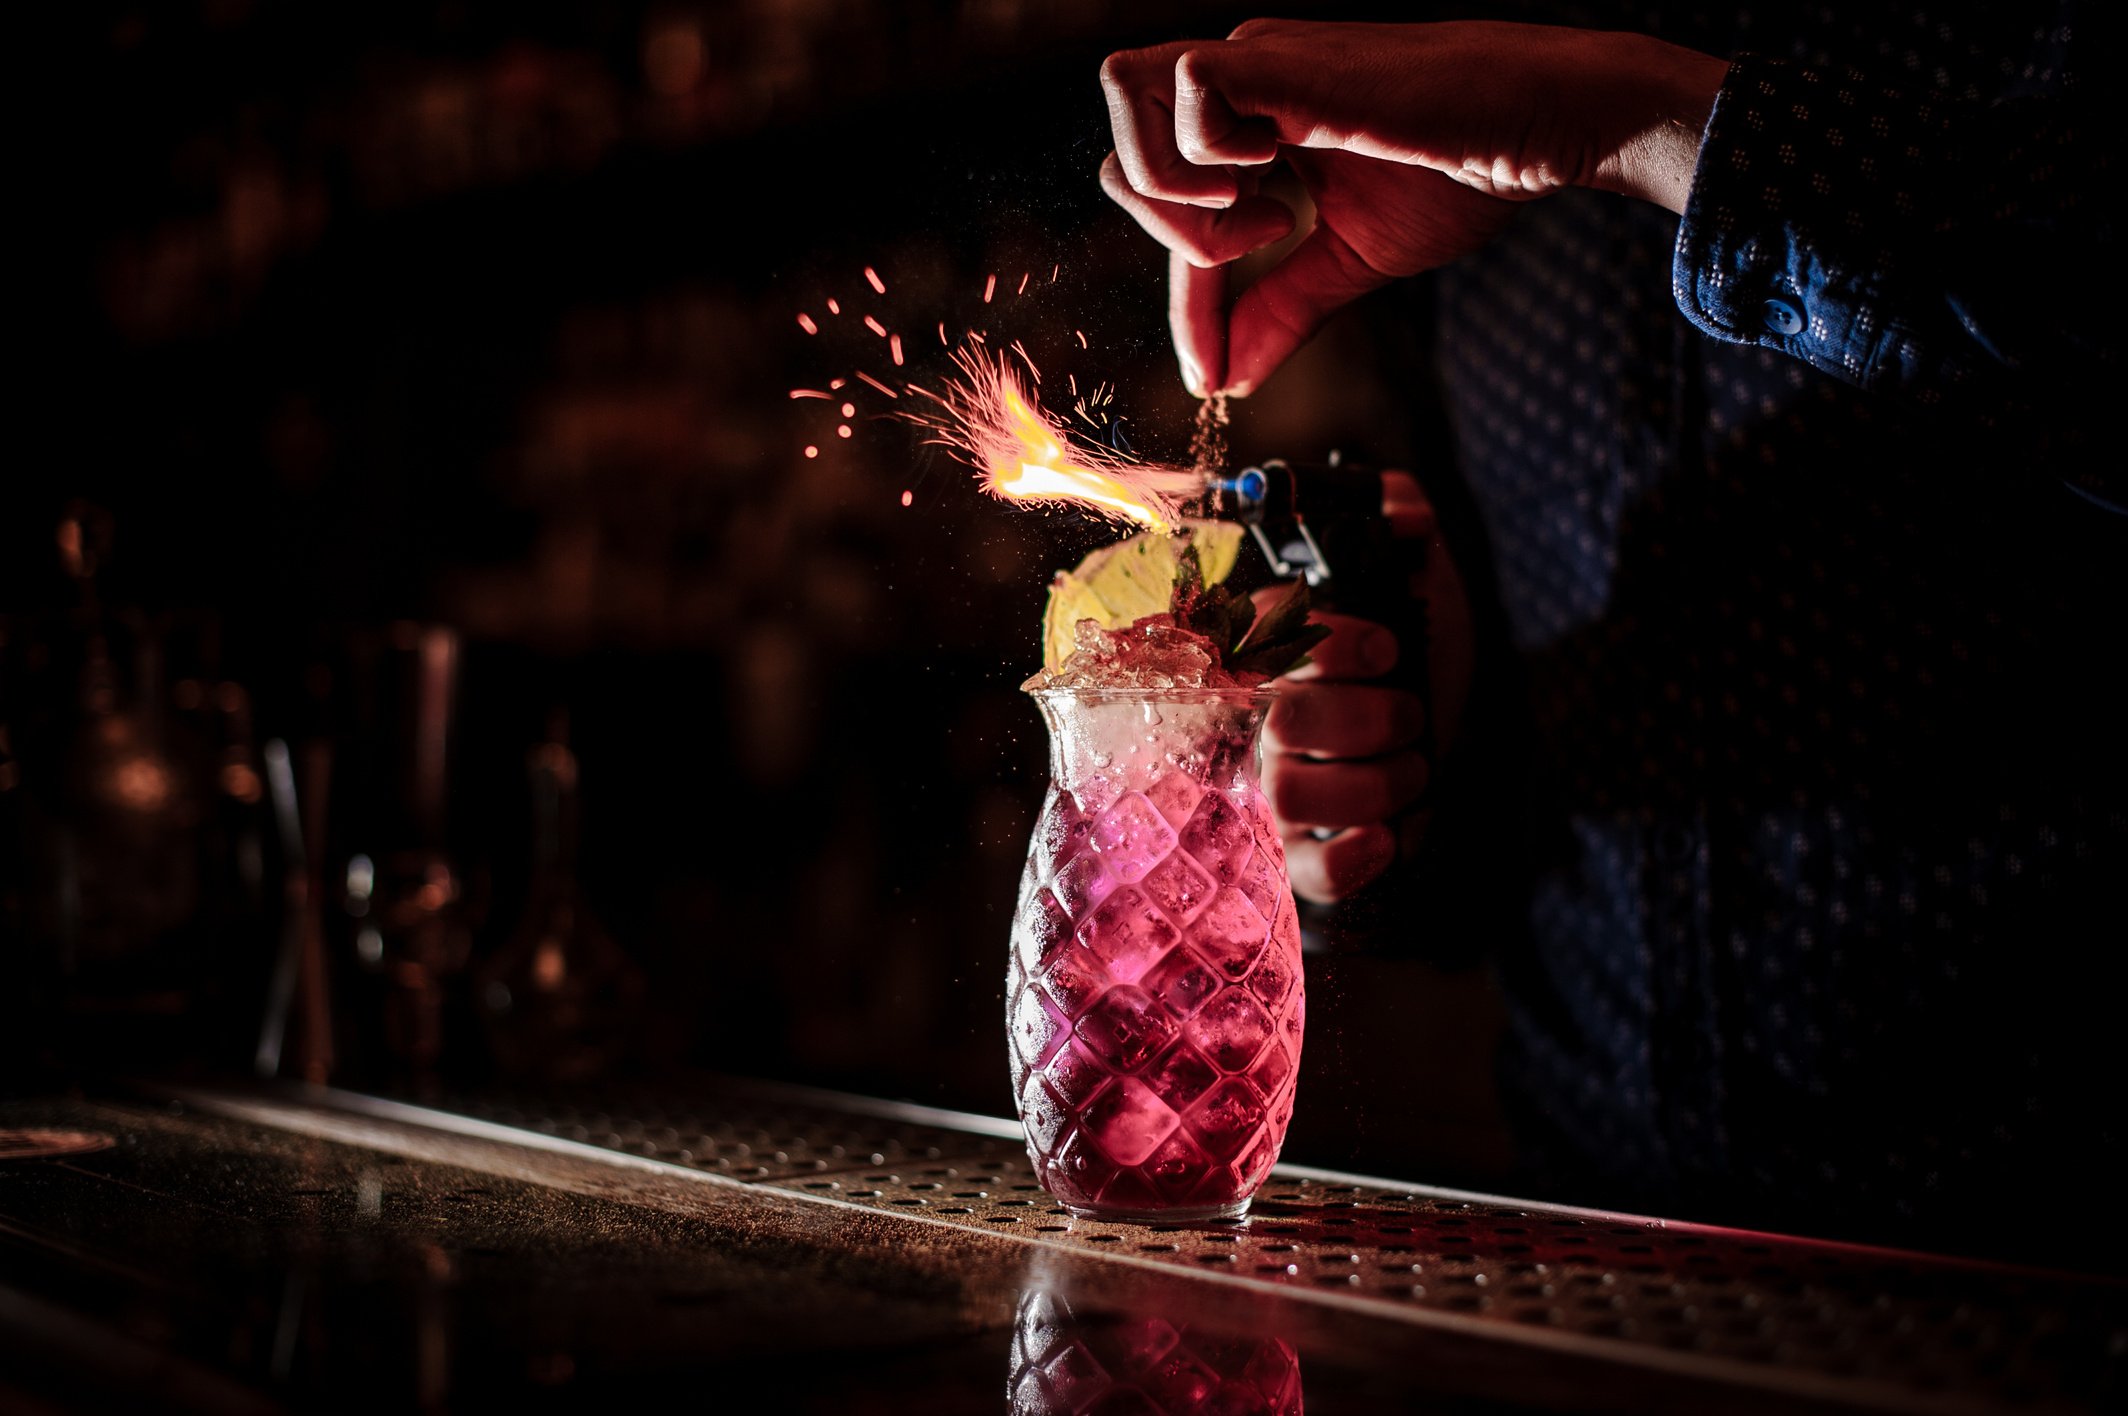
[1325,523]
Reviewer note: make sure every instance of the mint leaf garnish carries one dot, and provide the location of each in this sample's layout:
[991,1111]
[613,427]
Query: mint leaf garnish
[1275,643]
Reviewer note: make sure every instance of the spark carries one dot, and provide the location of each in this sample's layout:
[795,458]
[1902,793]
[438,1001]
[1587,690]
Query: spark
[842,430]
[849,410]
[1021,350]
[805,322]
[1053,273]
[1082,339]
[894,346]
[877,384]
[986,417]
[907,497]
[875,326]
[1073,380]
[811,451]
[942,333]
[873,276]
[808,393]
[990,287]
[833,308]
[1023,283]
[837,383]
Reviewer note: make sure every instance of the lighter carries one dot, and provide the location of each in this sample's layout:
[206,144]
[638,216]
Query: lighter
[1328,524]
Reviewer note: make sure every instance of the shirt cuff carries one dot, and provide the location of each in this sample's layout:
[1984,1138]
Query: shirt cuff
[1799,198]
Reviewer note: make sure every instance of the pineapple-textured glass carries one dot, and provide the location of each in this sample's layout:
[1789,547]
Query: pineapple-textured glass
[1155,999]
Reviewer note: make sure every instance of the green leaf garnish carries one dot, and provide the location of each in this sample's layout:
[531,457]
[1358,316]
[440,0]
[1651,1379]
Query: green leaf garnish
[1277,643]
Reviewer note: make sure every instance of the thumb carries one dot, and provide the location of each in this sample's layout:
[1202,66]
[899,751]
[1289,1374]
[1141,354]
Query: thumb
[1290,302]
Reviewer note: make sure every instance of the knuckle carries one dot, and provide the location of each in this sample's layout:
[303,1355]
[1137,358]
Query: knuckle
[1286,787]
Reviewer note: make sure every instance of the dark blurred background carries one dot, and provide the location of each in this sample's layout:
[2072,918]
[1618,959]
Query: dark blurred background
[417,413]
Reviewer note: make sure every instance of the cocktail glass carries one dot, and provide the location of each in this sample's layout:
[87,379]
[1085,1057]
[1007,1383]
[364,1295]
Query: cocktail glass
[1145,1363]
[1155,1000]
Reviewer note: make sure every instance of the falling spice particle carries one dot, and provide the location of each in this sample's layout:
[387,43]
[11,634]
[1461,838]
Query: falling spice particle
[849,410]
[873,276]
[834,308]
[877,384]
[1023,283]
[907,497]
[807,393]
[842,430]
[805,322]
[811,451]
[990,287]
[894,346]
[875,326]
[1208,443]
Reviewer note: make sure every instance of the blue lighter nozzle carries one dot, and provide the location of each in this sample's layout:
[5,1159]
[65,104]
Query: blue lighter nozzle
[1248,488]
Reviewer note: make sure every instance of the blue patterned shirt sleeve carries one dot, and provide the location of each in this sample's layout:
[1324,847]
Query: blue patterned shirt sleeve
[1913,243]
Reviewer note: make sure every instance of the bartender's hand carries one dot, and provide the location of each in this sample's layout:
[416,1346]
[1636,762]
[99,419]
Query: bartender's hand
[1342,766]
[1413,142]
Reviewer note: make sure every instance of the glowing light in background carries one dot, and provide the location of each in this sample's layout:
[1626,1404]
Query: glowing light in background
[672,59]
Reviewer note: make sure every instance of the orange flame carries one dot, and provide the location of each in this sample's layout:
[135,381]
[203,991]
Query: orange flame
[989,420]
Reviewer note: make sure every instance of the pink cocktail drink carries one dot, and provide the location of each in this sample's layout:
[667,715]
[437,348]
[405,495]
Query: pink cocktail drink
[1155,1001]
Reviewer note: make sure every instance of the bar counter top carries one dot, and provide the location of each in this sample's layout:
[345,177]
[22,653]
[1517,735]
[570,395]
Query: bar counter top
[755,1246]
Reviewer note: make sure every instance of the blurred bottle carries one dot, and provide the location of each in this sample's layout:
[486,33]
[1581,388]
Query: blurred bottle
[560,999]
[403,898]
[131,909]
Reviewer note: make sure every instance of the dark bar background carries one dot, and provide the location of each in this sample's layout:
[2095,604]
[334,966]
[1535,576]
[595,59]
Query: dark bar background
[484,316]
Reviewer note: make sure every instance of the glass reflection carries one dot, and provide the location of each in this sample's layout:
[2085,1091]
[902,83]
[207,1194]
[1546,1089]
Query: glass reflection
[1142,1364]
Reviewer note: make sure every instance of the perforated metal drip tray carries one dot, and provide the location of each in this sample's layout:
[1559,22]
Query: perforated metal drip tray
[1833,1319]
